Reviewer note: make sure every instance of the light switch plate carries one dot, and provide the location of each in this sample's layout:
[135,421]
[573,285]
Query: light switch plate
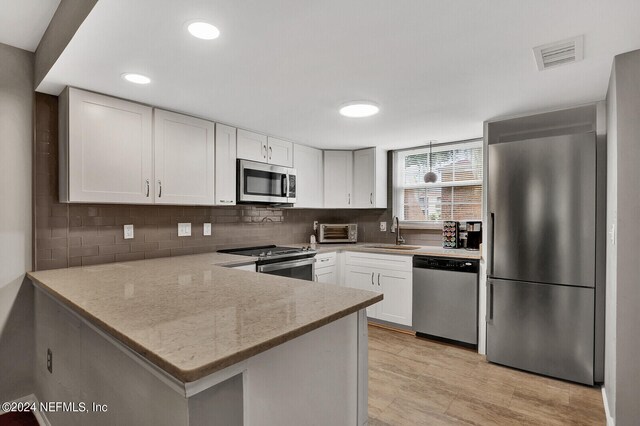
[128,232]
[383,226]
[206,229]
[184,229]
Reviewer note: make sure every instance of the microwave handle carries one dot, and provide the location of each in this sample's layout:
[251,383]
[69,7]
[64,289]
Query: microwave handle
[285,185]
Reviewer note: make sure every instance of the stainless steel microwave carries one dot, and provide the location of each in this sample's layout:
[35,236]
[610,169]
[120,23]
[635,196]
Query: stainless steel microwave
[265,183]
[338,233]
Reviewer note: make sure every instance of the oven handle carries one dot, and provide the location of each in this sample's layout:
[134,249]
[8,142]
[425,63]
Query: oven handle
[284,265]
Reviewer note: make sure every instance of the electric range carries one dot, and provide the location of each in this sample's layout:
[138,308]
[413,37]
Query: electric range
[290,262]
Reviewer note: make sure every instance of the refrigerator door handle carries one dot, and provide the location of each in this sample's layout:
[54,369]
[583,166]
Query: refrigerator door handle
[489,315]
[493,241]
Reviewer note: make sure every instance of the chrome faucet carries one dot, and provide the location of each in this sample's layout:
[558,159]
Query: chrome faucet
[396,223]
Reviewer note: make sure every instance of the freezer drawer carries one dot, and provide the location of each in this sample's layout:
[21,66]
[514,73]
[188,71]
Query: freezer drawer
[445,304]
[546,329]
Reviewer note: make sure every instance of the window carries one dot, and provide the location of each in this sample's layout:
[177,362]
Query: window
[456,195]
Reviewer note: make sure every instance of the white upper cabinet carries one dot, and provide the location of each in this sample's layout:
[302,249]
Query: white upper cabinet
[252,146]
[184,159]
[309,179]
[280,152]
[370,178]
[105,149]
[256,147]
[338,179]
[225,180]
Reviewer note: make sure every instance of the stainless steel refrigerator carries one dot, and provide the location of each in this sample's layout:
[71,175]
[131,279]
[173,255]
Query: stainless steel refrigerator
[541,286]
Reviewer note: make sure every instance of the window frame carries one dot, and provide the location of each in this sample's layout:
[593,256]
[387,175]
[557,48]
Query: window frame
[398,177]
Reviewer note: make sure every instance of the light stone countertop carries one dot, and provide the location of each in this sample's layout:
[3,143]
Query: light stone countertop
[385,248]
[190,316]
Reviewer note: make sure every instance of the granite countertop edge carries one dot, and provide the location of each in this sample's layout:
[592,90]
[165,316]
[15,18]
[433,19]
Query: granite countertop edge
[191,375]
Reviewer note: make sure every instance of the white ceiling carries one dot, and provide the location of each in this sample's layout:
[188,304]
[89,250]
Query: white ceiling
[23,22]
[437,69]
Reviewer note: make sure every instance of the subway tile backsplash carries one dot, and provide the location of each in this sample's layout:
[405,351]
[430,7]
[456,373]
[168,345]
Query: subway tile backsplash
[87,234]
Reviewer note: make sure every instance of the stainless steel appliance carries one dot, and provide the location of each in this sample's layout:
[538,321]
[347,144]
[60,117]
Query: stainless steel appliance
[473,235]
[445,298]
[265,183]
[541,286]
[337,233]
[289,262]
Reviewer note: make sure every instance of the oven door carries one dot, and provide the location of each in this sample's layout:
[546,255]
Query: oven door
[302,269]
[262,183]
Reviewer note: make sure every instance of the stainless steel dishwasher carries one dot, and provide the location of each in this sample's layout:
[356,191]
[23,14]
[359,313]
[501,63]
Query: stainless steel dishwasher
[445,299]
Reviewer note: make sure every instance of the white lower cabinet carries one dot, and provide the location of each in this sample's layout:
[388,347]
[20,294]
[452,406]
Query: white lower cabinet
[327,275]
[394,281]
[398,296]
[326,269]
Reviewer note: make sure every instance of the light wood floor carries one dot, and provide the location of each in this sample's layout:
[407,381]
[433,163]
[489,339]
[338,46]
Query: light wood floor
[414,381]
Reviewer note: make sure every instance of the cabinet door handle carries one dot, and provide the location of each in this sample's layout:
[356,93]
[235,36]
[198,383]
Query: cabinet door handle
[349,200]
[371,198]
[147,183]
[324,260]
[270,153]
[159,188]
[378,278]
[372,278]
[264,147]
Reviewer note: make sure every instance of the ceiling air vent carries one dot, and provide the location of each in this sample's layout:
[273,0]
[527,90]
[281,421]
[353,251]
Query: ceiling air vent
[559,53]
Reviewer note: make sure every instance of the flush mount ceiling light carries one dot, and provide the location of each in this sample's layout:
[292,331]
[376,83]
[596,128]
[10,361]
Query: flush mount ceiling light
[359,109]
[203,30]
[136,78]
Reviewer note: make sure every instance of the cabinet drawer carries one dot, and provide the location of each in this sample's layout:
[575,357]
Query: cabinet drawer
[324,260]
[380,261]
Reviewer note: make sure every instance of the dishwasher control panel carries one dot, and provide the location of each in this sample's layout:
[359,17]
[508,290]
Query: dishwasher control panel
[447,264]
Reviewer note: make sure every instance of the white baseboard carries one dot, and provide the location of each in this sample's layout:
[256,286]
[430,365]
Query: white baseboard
[610,420]
[31,398]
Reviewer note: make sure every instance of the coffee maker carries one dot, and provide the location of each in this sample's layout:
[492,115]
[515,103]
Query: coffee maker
[474,235]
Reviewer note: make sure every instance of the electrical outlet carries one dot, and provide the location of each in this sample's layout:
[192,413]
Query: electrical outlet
[128,232]
[49,360]
[184,229]
[206,229]
[383,226]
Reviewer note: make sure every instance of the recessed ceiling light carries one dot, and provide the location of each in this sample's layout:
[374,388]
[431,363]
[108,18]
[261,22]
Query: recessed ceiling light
[203,30]
[136,78]
[359,109]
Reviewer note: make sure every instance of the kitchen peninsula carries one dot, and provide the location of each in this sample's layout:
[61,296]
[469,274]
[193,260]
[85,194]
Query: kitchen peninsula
[184,340]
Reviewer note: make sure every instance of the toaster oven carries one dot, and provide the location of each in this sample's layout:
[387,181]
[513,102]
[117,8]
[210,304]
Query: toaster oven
[338,233]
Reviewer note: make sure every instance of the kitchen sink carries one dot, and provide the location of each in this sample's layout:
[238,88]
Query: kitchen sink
[390,247]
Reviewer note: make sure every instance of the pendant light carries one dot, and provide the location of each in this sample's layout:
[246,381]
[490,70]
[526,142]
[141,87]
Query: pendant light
[430,176]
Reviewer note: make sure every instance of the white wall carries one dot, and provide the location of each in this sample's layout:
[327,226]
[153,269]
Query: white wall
[622,387]
[612,195]
[16,298]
